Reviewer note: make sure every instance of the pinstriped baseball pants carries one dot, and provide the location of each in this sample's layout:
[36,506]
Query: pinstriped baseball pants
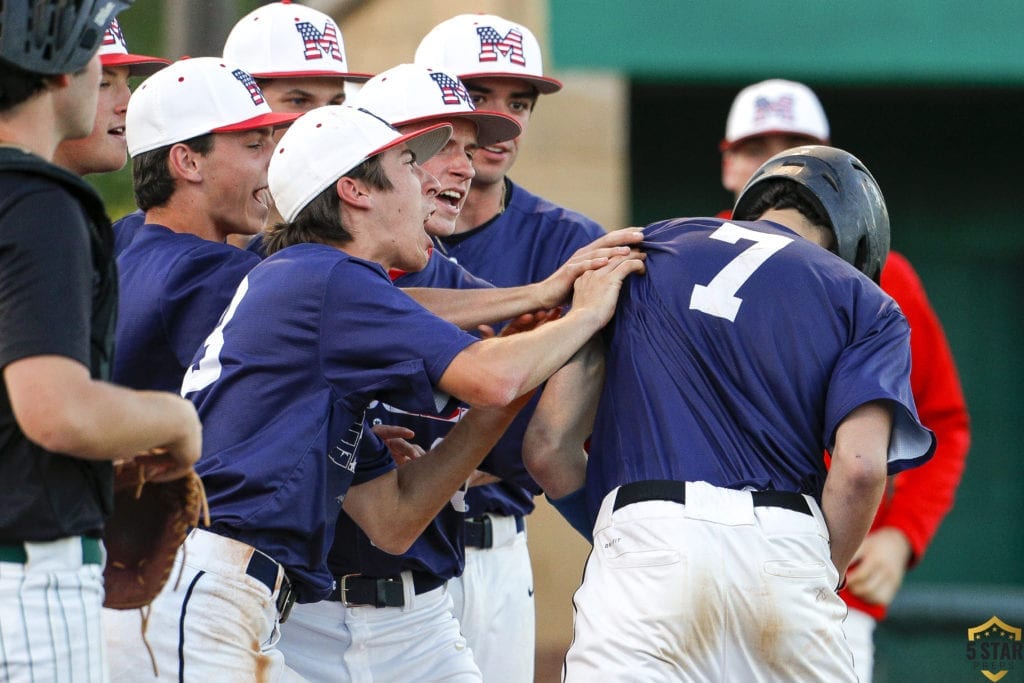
[50,628]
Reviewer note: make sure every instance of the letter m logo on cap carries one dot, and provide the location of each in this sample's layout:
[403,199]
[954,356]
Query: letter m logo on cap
[452,90]
[492,42]
[250,84]
[316,44]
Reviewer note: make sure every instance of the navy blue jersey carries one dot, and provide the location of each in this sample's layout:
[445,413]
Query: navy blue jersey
[174,287]
[125,229]
[524,244]
[311,337]
[438,550]
[735,358]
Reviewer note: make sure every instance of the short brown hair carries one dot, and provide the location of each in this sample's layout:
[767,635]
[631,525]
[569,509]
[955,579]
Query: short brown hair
[152,183]
[320,220]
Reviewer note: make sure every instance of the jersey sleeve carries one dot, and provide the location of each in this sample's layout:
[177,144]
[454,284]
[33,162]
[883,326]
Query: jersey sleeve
[373,458]
[45,278]
[398,348]
[922,496]
[876,367]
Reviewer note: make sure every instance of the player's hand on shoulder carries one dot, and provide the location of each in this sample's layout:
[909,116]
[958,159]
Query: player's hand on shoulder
[558,285]
[598,290]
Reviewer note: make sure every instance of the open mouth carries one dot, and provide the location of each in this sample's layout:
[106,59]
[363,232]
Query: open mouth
[452,198]
[117,130]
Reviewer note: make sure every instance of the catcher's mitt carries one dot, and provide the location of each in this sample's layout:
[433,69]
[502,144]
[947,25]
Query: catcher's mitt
[142,537]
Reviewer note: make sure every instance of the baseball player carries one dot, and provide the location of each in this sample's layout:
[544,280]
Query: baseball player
[765,118]
[200,136]
[105,149]
[62,422]
[313,334]
[746,351]
[507,236]
[404,633]
[295,53]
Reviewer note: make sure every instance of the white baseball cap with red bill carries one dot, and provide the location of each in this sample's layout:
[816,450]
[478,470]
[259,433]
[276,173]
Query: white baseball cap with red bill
[775,106]
[411,93]
[114,53]
[286,40]
[485,46]
[193,97]
[328,142]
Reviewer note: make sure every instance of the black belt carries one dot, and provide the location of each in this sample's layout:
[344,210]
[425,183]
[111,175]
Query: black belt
[356,590]
[480,532]
[264,569]
[675,491]
[15,552]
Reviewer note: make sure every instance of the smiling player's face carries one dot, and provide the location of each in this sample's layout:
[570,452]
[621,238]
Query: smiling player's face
[453,169]
[235,176]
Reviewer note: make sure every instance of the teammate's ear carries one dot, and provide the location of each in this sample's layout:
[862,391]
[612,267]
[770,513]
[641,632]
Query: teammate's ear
[184,162]
[353,192]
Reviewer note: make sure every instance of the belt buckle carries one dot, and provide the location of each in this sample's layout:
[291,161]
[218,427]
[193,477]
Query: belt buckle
[285,600]
[343,592]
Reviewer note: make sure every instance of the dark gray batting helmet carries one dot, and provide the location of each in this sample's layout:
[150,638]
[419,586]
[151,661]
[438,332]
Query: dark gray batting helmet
[843,189]
[51,37]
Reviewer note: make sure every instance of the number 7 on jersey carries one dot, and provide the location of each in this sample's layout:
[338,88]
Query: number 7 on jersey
[718,297]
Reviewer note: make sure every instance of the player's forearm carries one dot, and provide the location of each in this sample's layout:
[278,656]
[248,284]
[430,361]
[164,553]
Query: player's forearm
[425,485]
[553,446]
[469,308]
[496,371]
[61,408]
[856,479]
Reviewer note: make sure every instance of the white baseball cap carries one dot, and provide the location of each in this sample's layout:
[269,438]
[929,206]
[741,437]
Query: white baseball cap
[114,52]
[775,106]
[193,97]
[485,46]
[285,40]
[411,93]
[328,142]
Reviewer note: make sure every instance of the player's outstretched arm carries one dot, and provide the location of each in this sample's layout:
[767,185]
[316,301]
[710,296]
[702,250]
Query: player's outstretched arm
[59,406]
[493,372]
[856,479]
[395,508]
[469,308]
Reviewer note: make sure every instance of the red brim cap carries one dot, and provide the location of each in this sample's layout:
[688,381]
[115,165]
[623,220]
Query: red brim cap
[138,65]
[347,76]
[544,85]
[274,120]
